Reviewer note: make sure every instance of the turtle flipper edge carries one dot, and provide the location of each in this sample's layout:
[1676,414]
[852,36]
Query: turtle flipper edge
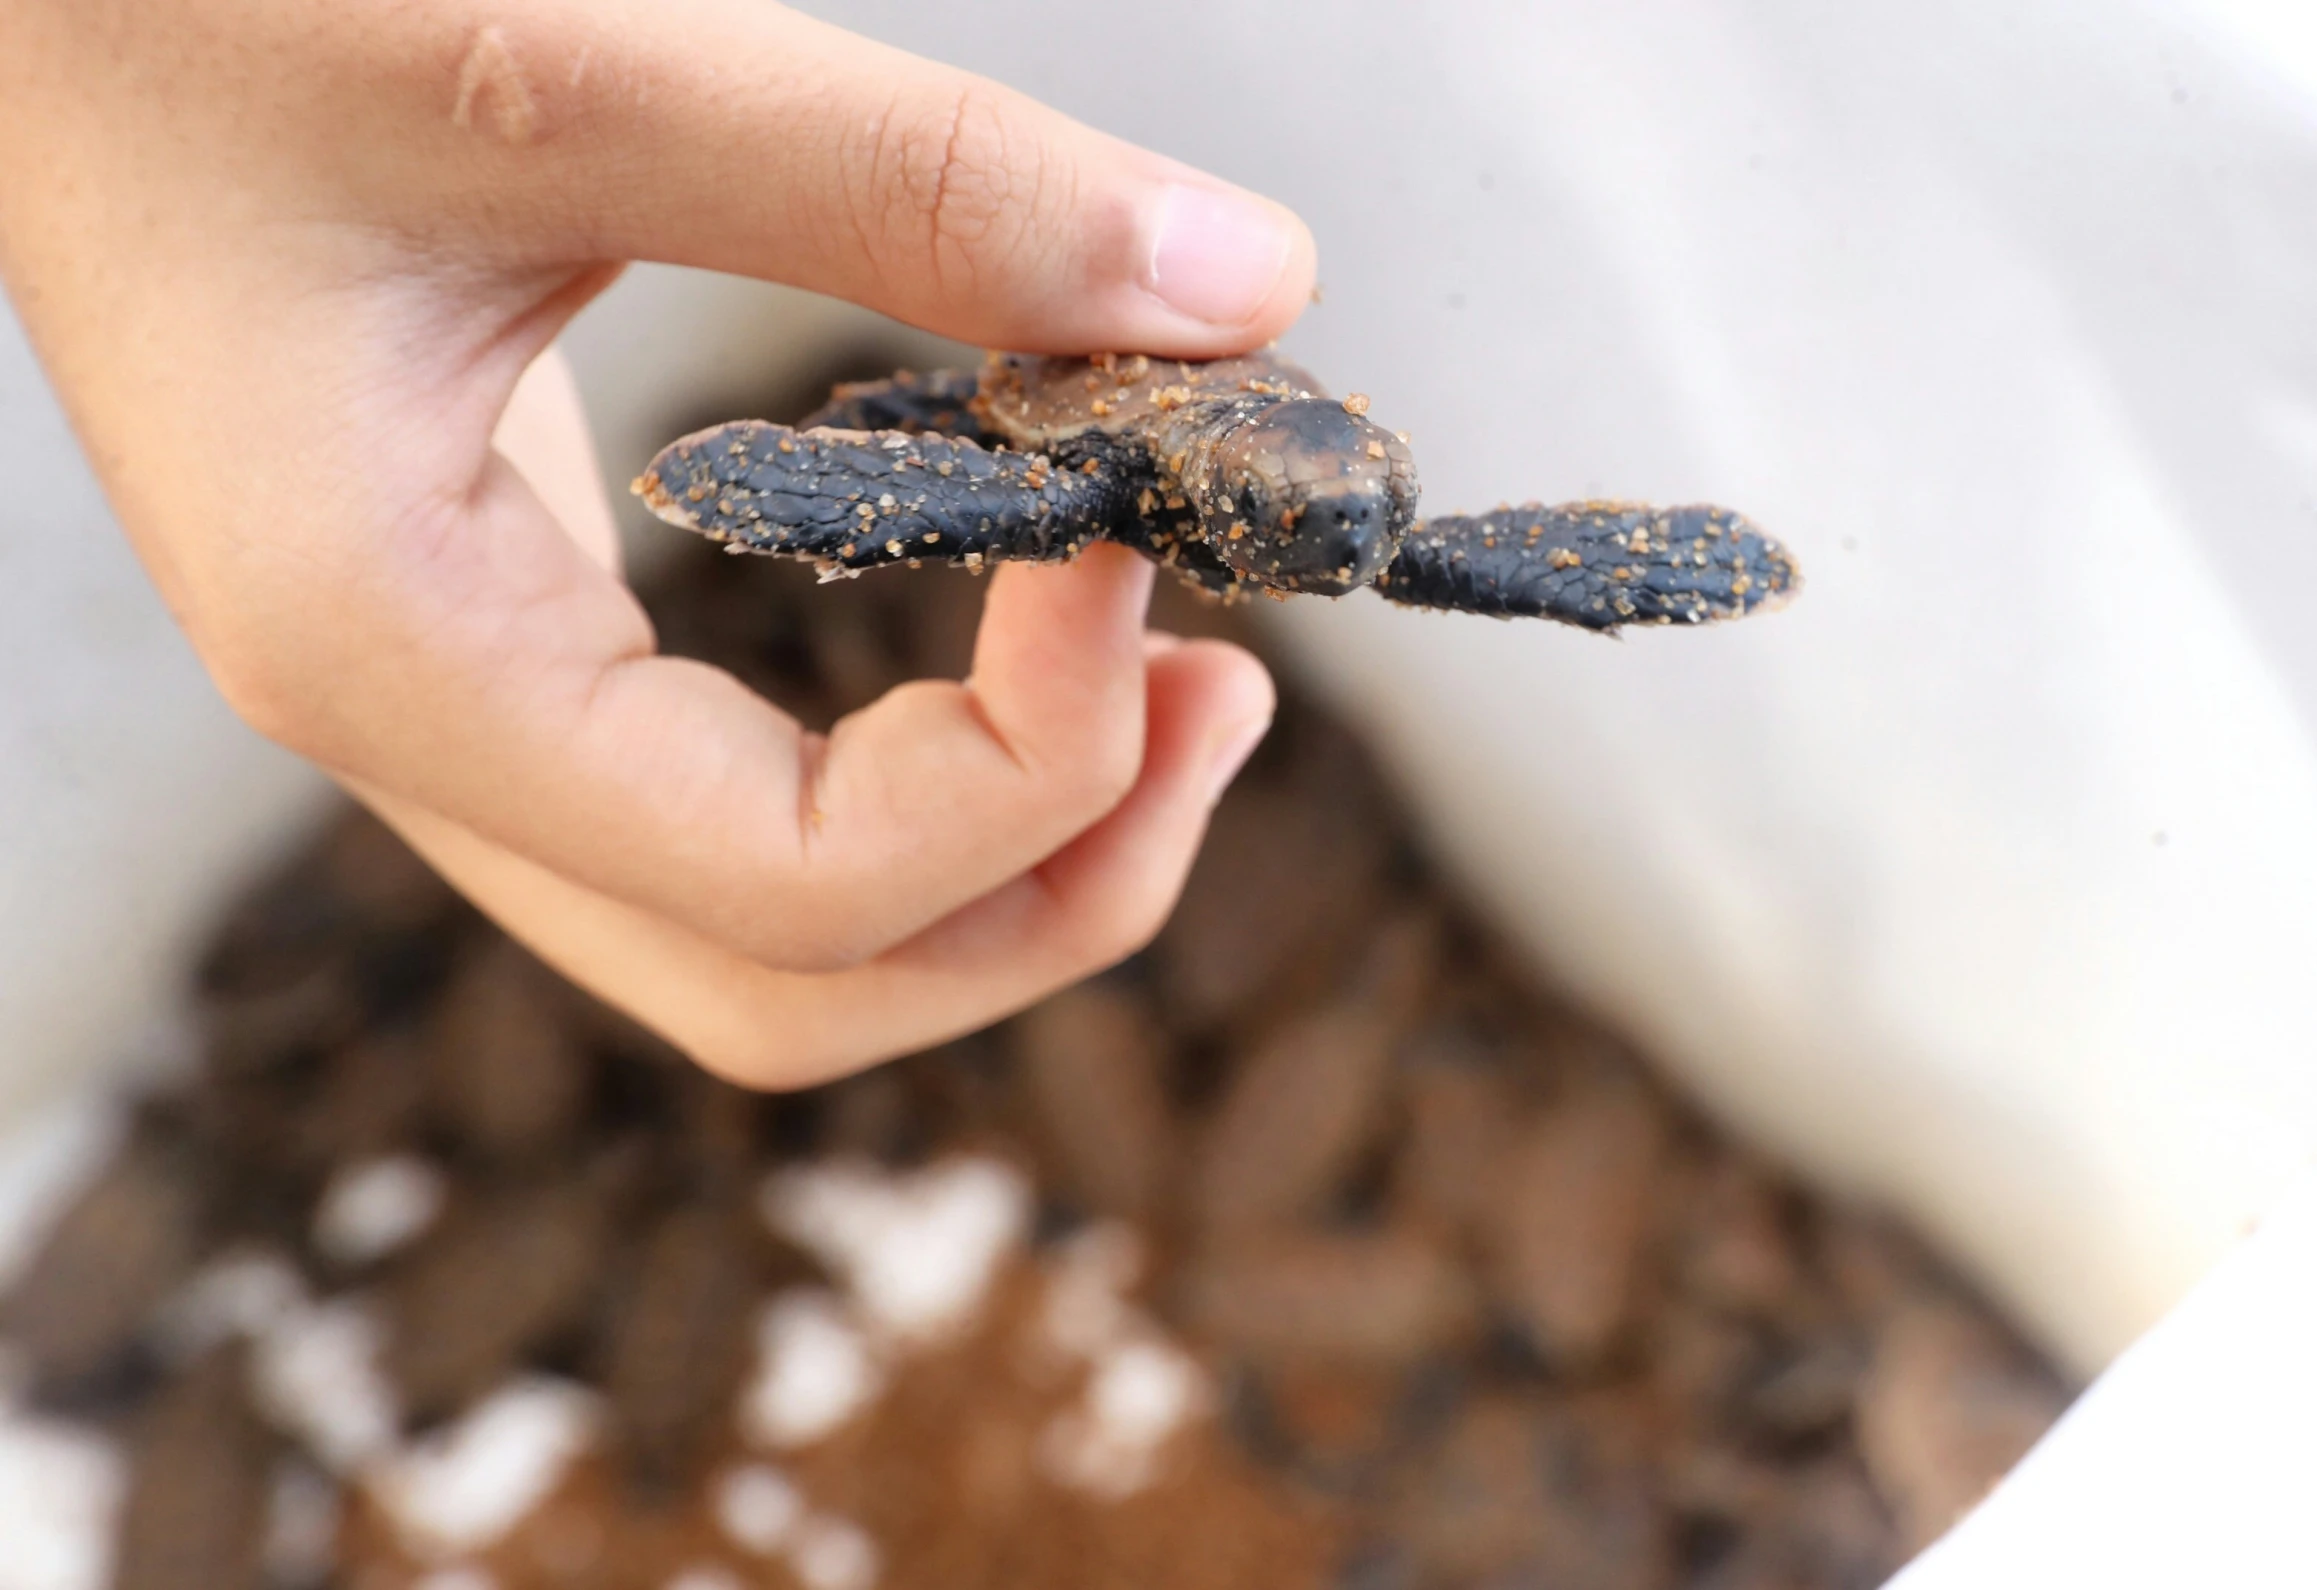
[851,500]
[921,403]
[1598,565]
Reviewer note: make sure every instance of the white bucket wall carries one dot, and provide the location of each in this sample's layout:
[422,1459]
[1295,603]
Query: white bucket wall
[130,798]
[1985,879]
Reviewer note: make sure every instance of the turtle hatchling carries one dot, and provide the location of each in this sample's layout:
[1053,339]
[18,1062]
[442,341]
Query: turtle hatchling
[1239,474]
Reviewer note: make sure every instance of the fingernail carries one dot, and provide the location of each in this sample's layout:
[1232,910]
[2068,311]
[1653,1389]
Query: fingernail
[1218,253]
[1232,748]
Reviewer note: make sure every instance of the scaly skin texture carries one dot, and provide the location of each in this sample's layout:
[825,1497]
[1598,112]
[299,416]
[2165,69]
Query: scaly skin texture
[1240,474]
[850,500]
[939,402]
[1594,564]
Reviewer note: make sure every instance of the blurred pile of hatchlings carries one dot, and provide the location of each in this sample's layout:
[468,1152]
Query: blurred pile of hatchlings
[1314,1246]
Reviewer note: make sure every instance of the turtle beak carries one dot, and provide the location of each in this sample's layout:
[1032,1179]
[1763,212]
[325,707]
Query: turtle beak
[1342,537]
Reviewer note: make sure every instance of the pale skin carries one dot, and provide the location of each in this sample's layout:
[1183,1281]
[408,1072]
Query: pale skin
[297,269]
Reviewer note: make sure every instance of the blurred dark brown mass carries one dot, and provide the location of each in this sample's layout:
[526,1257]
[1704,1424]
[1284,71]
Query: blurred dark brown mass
[1467,1298]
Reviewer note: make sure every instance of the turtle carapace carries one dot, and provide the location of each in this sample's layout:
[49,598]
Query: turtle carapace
[1239,474]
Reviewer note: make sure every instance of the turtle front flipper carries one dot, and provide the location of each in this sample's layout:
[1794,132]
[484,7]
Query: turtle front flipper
[1599,565]
[934,402]
[851,500]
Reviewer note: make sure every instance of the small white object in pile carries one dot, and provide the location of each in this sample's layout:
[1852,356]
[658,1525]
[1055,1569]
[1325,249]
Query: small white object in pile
[461,1489]
[917,1251]
[466,1576]
[314,1372]
[60,1492]
[1086,1285]
[301,1544]
[1140,1387]
[1138,1394]
[758,1507]
[831,1553]
[317,1375]
[372,1208]
[244,1293]
[763,1513]
[815,1370]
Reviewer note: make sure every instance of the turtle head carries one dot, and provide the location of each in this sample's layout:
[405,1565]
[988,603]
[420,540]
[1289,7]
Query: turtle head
[1309,496]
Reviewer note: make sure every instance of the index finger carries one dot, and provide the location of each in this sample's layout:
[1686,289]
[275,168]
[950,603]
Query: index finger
[521,698]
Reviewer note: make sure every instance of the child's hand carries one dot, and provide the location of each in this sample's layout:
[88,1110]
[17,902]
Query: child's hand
[288,264]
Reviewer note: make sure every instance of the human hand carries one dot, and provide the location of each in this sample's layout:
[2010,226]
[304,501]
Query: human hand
[289,265]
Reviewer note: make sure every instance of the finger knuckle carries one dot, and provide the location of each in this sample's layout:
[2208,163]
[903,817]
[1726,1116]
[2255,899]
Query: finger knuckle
[1116,764]
[962,179]
[1089,780]
[754,1064]
[752,1053]
[830,944]
[1124,922]
[763,1066]
[827,920]
[268,690]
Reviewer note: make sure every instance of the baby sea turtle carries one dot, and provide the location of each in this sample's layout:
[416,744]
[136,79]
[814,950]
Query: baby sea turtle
[1239,474]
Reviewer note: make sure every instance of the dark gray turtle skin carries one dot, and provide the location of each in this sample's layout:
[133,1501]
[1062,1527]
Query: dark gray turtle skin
[1239,474]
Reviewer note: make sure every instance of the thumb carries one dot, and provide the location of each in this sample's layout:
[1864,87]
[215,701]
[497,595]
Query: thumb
[743,137]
